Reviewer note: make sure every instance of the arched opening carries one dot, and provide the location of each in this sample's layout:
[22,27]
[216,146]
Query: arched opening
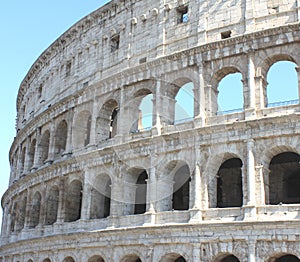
[100,197]
[145,113]
[35,210]
[47,260]
[229,184]
[29,260]
[107,120]
[230,96]
[22,164]
[173,257]
[13,216]
[135,191]
[96,259]
[181,189]
[287,258]
[31,154]
[44,147]
[282,86]
[69,259]
[141,193]
[20,213]
[82,129]
[284,179]
[61,135]
[184,106]
[227,258]
[131,258]
[73,201]
[52,206]
[141,111]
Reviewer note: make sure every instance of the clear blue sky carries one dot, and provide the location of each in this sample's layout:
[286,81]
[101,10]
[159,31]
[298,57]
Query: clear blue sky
[27,29]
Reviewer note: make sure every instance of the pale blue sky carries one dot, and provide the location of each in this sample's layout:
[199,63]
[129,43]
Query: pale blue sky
[27,29]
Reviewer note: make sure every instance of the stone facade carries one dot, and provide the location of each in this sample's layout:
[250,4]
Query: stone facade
[88,183]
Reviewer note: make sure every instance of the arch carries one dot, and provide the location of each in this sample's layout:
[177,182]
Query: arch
[96,258]
[282,88]
[61,135]
[229,184]
[230,91]
[173,257]
[284,179]
[174,186]
[184,102]
[107,120]
[47,260]
[131,258]
[29,260]
[82,129]
[100,197]
[35,210]
[20,213]
[136,191]
[52,205]
[226,258]
[283,257]
[69,259]
[44,147]
[141,110]
[22,164]
[31,154]
[73,201]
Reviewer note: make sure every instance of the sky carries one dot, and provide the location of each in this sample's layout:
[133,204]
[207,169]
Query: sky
[28,27]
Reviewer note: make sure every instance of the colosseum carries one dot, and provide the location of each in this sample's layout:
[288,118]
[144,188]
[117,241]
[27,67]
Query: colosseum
[96,176]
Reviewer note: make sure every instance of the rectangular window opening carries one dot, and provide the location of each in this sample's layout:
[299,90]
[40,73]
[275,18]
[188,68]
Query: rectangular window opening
[114,43]
[68,69]
[226,34]
[183,16]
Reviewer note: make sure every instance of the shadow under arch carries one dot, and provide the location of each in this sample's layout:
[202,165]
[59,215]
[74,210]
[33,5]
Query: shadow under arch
[284,257]
[131,258]
[172,257]
[226,258]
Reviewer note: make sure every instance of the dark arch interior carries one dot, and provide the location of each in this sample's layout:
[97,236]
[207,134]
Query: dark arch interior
[284,179]
[180,259]
[229,184]
[287,258]
[141,193]
[230,258]
[181,194]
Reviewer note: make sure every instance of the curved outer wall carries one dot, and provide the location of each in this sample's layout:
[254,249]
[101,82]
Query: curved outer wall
[88,183]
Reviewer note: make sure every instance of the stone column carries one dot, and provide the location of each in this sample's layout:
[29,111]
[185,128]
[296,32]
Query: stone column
[37,151]
[249,88]
[261,90]
[25,164]
[261,196]
[69,145]
[250,172]
[61,201]
[157,113]
[122,128]
[251,250]
[86,200]
[249,207]
[93,130]
[199,97]
[151,191]
[19,163]
[51,143]
[196,184]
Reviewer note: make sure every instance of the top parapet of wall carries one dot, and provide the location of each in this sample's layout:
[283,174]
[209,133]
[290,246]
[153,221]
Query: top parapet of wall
[155,29]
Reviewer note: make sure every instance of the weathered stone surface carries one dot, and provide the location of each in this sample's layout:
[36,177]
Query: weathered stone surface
[88,183]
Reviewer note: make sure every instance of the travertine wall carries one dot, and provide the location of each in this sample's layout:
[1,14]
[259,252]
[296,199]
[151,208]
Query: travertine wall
[87,183]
